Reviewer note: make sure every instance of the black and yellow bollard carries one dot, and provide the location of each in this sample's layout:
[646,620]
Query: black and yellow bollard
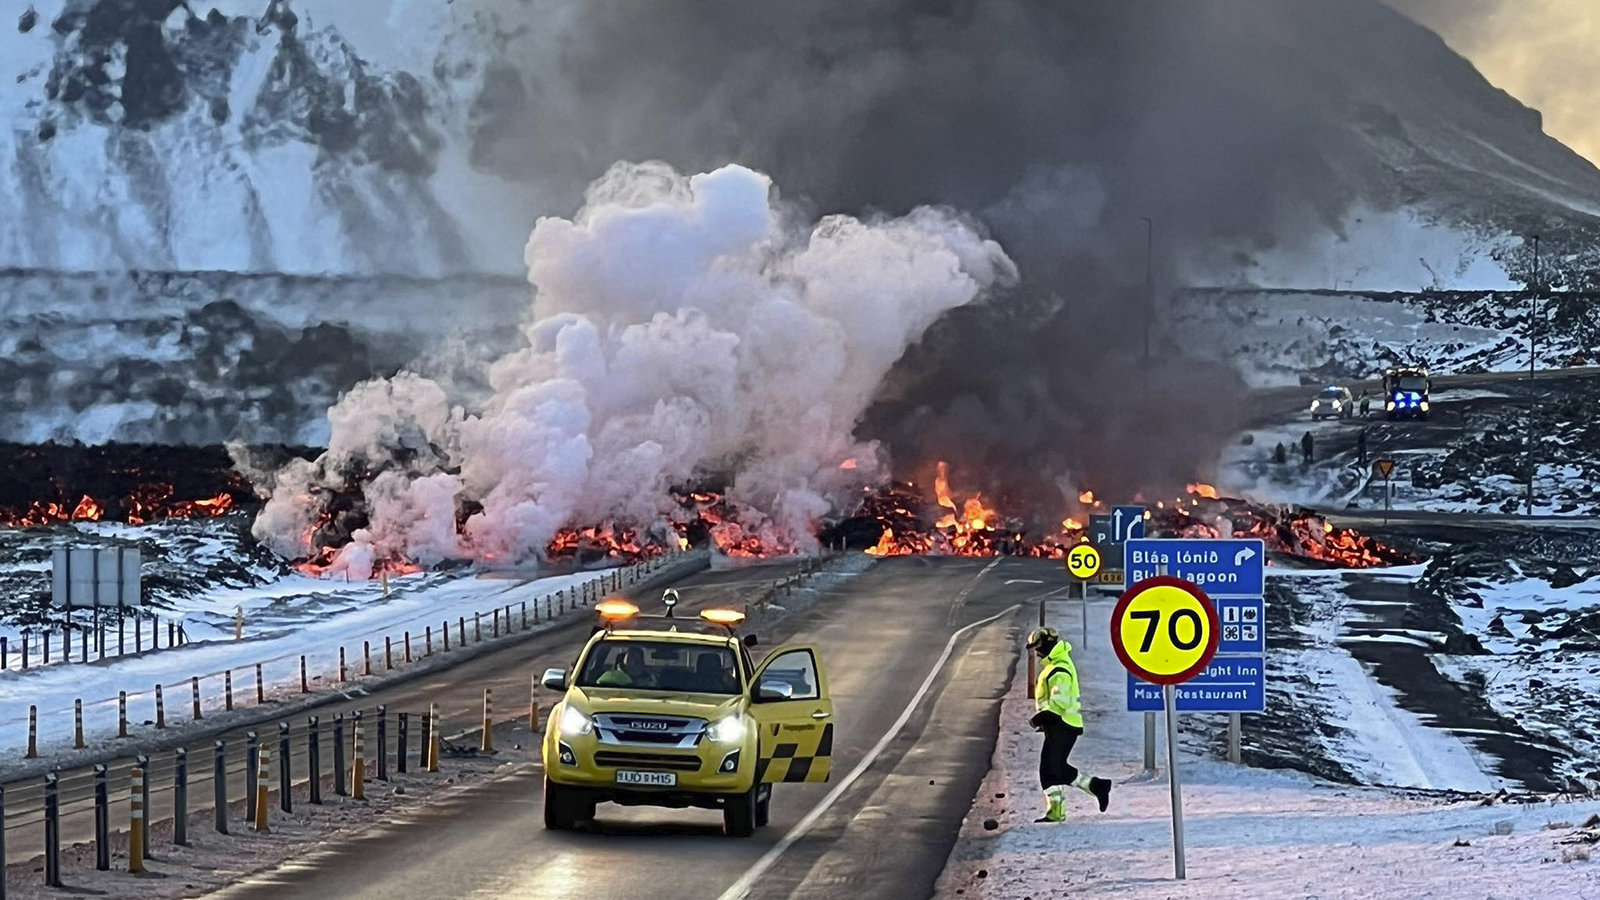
[366,657]
[388,653]
[136,828]
[433,737]
[263,773]
[122,714]
[194,693]
[344,674]
[77,725]
[161,709]
[408,648]
[358,764]
[261,687]
[33,732]
[495,632]
[487,743]
[427,641]
[227,690]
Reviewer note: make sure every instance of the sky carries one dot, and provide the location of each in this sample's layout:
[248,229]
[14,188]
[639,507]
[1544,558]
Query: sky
[1540,51]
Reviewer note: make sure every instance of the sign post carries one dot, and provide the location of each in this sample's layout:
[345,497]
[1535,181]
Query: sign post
[1165,631]
[1385,467]
[1083,563]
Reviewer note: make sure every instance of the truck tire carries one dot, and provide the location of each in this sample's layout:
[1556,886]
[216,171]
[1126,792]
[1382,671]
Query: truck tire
[739,814]
[560,809]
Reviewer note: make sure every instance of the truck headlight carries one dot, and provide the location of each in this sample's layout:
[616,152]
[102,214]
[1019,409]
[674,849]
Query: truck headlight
[730,730]
[574,722]
[1424,406]
[1389,406]
[1315,404]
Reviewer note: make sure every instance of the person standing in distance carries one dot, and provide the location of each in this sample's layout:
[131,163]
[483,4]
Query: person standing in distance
[1060,718]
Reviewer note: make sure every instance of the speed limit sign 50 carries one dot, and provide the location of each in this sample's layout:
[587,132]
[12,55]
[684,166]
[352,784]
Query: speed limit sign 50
[1083,561]
[1165,630]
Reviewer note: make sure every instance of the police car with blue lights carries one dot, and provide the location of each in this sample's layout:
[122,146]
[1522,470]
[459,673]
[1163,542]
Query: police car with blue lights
[1333,403]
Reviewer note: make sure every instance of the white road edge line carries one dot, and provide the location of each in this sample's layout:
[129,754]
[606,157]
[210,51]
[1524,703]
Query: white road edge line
[741,888]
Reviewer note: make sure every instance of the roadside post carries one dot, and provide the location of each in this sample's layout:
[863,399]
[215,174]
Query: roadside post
[102,821]
[314,759]
[1385,468]
[252,768]
[180,797]
[1165,632]
[219,785]
[1083,563]
[1233,574]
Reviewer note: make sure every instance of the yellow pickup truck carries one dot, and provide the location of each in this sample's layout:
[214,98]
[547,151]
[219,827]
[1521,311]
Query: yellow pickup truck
[671,711]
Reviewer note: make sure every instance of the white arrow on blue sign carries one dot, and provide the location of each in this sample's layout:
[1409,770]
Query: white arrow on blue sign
[1127,523]
[1221,568]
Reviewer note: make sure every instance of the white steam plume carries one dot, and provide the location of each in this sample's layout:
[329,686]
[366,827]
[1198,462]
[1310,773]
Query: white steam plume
[680,326]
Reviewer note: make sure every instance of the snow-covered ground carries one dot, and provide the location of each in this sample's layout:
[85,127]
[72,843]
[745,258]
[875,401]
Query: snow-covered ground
[1250,833]
[1278,338]
[1471,455]
[284,620]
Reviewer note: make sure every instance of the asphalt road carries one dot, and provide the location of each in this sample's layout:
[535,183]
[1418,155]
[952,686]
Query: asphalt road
[887,834]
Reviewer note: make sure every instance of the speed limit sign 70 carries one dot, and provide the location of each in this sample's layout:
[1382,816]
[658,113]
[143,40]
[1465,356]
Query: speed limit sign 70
[1083,561]
[1165,630]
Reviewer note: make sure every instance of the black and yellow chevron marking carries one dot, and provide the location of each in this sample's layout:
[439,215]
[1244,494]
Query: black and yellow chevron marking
[803,757]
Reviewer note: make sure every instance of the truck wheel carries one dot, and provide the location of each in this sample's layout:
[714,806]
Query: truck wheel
[739,814]
[763,805]
[560,812]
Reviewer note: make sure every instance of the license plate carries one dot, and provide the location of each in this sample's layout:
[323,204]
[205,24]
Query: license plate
[649,779]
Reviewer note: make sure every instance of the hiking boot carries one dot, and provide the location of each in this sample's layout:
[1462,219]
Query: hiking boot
[1056,805]
[1101,789]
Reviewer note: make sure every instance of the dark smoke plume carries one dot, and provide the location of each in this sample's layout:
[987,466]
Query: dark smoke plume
[1062,124]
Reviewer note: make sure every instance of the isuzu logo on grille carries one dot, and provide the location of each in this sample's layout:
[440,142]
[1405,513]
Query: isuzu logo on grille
[647,725]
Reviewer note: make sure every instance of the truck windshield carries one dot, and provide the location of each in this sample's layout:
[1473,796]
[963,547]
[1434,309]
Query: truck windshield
[1413,383]
[661,666]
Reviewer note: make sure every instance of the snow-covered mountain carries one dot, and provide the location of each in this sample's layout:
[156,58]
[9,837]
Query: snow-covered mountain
[244,136]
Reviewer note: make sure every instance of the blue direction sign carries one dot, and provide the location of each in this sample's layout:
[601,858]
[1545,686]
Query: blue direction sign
[1244,626]
[1127,523]
[1233,685]
[1221,568]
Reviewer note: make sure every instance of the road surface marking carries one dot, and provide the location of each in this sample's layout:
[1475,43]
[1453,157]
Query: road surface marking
[1023,581]
[961,598]
[741,888]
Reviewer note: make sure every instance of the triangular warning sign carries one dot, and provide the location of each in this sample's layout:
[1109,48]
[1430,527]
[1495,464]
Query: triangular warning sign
[1384,467]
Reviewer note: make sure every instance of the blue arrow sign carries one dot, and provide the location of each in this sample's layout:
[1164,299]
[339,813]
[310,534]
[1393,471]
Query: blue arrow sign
[1221,568]
[1127,523]
[1244,626]
[1238,684]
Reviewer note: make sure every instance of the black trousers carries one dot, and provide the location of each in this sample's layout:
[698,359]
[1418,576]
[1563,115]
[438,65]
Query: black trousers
[1059,738]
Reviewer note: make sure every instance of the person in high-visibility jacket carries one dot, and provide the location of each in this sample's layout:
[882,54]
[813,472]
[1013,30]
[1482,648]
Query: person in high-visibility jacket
[1060,717]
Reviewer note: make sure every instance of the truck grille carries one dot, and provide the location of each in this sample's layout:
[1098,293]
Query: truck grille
[619,760]
[669,731]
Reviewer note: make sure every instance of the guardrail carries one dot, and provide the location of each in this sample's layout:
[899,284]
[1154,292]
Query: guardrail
[236,776]
[32,647]
[213,691]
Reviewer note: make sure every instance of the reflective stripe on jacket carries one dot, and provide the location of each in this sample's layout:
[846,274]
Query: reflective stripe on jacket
[1057,689]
